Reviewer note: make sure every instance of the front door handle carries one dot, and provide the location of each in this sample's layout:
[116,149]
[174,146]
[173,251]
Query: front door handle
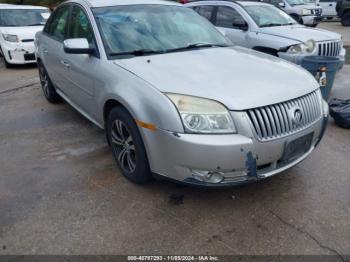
[66,64]
[45,51]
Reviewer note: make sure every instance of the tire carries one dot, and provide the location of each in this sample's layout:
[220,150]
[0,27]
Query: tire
[47,86]
[345,19]
[127,146]
[7,64]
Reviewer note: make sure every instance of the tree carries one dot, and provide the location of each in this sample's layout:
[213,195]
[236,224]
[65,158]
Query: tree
[49,3]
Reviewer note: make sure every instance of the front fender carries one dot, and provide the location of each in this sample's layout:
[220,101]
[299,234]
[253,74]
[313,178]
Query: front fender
[274,41]
[143,101]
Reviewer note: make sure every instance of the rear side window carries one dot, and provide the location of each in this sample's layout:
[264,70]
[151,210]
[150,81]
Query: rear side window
[56,27]
[226,16]
[205,11]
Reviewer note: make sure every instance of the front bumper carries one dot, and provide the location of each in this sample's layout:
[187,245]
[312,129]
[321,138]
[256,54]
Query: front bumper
[298,59]
[18,53]
[238,158]
[311,19]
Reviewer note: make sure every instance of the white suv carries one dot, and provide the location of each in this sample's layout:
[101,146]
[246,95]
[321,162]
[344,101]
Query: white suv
[268,29]
[303,12]
[18,26]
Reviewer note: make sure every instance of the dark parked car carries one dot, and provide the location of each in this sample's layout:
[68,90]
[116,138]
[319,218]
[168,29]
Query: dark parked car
[343,11]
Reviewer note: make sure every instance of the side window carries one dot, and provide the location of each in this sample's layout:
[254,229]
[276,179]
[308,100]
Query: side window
[227,16]
[57,25]
[274,2]
[80,26]
[205,11]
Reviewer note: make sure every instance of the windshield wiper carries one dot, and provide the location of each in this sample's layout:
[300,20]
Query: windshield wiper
[138,52]
[194,46]
[36,24]
[272,24]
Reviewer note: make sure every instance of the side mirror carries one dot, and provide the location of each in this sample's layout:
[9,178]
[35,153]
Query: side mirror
[240,24]
[77,46]
[281,5]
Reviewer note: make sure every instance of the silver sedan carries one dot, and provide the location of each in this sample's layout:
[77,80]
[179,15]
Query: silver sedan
[175,98]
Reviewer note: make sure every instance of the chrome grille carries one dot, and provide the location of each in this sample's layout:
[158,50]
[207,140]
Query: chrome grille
[329,48]
[275,121]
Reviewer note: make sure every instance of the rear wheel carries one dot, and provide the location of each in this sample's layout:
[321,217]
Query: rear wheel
[47,86]
[127,146]
[345,19]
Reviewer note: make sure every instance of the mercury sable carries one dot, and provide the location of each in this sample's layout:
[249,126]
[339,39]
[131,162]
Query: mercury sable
[176,100]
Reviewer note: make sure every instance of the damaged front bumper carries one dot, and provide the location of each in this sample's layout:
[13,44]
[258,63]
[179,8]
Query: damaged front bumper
[19,53]
[223,160]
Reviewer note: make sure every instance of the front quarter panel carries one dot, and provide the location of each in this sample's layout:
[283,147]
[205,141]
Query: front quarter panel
[272,41]
[143,101]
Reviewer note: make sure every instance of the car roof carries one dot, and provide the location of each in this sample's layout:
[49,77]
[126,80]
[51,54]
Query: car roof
[7,6]
[242,3]
[105,3]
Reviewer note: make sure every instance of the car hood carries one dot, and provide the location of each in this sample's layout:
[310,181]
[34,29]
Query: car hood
[237,77]
[300,33]
[23,32]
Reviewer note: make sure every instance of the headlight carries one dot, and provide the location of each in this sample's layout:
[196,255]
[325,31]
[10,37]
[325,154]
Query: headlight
[305,12]
[204,116]
[10,38]
[308,47]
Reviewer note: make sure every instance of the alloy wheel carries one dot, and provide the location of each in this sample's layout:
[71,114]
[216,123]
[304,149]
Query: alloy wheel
[123,146]
[44,80]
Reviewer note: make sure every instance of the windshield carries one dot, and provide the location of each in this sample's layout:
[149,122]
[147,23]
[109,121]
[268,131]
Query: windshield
[23,17]
[296,2]
[154,28]
[266,16]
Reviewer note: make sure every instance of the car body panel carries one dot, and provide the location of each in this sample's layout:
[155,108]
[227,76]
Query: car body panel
[215,69]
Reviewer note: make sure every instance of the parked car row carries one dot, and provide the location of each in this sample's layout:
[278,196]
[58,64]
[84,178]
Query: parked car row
[266,28]
[310,12]
[176,98]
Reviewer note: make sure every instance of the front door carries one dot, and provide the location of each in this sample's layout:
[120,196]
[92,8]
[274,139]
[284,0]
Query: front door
[81,67]
[227,19]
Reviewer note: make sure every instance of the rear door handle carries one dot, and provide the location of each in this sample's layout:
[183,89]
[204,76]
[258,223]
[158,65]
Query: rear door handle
[66,64]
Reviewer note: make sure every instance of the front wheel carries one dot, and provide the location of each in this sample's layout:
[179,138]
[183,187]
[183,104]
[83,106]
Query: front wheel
[127,146]
[345,19]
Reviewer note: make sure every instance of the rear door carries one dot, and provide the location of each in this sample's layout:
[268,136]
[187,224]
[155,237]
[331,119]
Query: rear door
[52,46]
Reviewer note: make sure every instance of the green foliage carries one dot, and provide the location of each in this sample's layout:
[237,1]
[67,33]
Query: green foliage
[49,3]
